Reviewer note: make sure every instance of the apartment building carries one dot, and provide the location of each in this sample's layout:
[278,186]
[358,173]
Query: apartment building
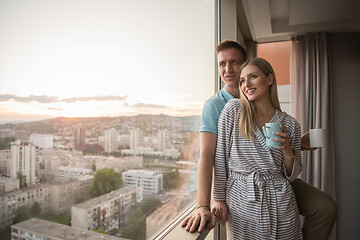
[148,151]
[109,211]
[11,201]
[65,194]
[120,164]
[43,141]
[34,229]
[79,143]
[65,173]
[150,181]
[25,159]
[136,138]
[56,197]
[8,184]
[111,140]
[5,157]
[53,158]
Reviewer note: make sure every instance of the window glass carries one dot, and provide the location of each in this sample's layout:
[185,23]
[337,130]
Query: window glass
[106,88]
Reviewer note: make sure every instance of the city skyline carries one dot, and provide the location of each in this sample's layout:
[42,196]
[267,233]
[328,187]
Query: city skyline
[112,58]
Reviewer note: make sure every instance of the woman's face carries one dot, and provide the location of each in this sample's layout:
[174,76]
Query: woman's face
[254,84]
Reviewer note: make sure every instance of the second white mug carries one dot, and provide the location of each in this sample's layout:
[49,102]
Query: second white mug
[318,137]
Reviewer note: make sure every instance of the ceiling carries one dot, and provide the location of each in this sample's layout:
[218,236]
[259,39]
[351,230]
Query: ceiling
[275,20]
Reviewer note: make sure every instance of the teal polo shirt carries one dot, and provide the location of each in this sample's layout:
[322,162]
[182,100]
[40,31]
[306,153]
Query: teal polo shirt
[212,109]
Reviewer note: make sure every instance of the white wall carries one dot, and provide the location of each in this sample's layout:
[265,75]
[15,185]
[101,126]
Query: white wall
[345,54]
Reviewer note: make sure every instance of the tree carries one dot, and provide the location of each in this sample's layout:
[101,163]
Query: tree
[5,143]
[105,181]
[149,204]
[136,227]
[22,179]
[21,214]
[35,210]
[171,178]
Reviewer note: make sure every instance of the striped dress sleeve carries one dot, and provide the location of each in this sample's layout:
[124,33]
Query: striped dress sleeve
[223,148]
[295,142]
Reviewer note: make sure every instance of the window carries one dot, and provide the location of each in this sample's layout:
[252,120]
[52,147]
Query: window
[142,68]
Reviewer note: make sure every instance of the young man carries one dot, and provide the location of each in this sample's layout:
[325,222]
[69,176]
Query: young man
[318,208]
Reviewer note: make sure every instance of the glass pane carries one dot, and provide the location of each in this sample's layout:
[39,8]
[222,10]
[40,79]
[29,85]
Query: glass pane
[104,90]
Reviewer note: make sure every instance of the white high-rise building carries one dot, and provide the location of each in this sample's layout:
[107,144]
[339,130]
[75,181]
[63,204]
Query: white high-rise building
[136,138]
[25,158]
[111,140]
[151,182]
[42,140]
[124,141]
[163,139]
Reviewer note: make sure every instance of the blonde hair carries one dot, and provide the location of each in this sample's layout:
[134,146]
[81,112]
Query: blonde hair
[248,110]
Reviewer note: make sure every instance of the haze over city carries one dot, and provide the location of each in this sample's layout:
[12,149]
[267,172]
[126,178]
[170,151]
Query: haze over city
[95,58]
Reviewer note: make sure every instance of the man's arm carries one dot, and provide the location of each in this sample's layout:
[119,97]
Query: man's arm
[202,214]
[305,142]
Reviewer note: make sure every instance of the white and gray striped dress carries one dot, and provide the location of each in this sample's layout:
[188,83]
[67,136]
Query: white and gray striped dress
[251,178]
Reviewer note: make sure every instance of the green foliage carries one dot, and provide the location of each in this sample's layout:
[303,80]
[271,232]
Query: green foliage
[171,179]
[5,143]
[22,179]
[100,230]
[136,227]
[5,234]
[149,204]
[21,214]
[62,218]
[35,210]
[93,167]
[105,181]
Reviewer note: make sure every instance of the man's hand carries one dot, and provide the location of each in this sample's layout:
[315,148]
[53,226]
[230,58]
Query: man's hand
[220,211]
[305,142]
[198,219]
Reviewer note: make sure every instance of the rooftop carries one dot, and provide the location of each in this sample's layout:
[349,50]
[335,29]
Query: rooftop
[141,172]
[104,198]
[59,231]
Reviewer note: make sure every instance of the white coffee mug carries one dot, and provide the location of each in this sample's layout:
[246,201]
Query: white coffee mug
[318,137]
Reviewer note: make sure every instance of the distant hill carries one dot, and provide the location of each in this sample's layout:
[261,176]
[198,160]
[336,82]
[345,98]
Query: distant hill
[95,126]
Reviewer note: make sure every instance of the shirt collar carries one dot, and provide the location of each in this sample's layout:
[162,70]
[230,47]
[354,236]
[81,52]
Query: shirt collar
[227,96]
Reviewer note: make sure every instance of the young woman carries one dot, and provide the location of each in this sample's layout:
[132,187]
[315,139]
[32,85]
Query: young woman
[251,181]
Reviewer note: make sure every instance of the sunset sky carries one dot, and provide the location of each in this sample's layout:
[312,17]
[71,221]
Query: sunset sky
[79,58]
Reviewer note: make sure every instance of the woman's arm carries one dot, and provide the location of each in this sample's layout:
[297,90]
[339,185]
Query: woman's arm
[291,150]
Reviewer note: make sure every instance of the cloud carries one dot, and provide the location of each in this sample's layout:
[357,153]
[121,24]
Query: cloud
[31,98]
[145,105]
[52,99]
[97,98]
[55,109]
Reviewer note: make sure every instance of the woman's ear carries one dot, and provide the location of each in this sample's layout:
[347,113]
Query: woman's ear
[270,79]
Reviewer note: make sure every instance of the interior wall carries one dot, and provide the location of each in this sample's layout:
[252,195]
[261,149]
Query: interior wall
[345,63]
[229,29]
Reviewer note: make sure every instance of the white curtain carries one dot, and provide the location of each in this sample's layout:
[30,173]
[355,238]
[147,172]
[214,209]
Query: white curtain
[311,104]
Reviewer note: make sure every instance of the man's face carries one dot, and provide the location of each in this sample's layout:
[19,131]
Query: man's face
[229,62]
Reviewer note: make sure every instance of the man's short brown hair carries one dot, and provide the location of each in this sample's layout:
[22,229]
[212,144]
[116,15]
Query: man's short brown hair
[226,44]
